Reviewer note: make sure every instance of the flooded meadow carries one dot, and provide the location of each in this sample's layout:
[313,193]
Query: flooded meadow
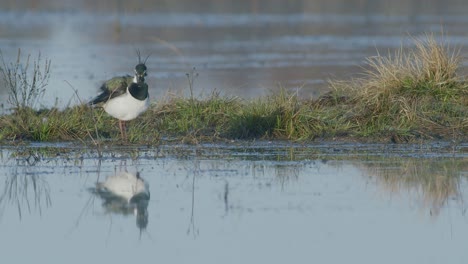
[232,201]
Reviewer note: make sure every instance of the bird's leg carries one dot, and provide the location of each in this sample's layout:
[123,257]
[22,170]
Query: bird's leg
[122,128]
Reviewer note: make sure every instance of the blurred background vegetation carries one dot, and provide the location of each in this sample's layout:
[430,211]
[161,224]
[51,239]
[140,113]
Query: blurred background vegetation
[317,6]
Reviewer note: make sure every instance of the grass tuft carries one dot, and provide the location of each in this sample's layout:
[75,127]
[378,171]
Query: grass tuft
[415,93]
[25,81]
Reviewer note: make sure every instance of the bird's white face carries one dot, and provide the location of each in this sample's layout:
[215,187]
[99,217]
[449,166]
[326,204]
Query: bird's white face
[140,73]
[139,77]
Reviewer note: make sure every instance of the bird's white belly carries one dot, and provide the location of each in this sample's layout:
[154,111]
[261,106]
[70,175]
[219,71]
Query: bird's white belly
[125,185]
[125,107]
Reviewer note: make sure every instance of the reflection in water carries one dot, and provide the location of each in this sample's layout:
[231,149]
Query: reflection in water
[25,191]
[126,193]
[238,199]
[433,182]
[287,173]
[226,198]
[192,229]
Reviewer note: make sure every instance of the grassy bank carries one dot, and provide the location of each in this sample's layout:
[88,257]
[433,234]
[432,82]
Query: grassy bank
[411,95]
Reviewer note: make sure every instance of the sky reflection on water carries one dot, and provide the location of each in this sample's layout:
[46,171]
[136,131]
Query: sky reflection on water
[281,204]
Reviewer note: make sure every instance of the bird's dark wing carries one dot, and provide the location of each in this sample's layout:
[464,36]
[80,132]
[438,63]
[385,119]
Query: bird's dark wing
[112,88]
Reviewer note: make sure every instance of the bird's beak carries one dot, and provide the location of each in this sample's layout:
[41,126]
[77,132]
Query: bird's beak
[140,77]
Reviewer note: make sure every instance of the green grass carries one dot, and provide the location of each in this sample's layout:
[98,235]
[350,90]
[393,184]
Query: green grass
[411,95]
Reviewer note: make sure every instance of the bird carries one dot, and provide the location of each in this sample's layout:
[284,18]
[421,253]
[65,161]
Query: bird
[125,97]
[124,193]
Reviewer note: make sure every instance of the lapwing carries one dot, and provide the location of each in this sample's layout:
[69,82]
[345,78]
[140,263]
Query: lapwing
[125,97]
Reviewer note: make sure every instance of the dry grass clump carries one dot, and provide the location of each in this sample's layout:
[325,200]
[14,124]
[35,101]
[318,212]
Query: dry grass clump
[415,93]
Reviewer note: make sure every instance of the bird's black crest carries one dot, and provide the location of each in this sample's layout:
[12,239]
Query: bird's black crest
[139,57]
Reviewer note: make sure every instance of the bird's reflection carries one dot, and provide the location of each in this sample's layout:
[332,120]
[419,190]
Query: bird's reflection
[126,193]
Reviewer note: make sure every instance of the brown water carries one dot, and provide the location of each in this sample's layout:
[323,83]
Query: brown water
[243,48]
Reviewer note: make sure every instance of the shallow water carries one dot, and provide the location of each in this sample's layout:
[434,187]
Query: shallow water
[238,203]
[243,49]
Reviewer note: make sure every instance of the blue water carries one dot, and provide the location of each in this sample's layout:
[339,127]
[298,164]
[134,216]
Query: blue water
[238,203]
[238,53]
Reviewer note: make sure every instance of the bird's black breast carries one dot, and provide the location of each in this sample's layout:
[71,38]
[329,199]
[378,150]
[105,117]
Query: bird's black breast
[139,90]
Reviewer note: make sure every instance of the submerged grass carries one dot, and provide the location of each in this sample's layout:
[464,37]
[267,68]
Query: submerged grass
[413,94]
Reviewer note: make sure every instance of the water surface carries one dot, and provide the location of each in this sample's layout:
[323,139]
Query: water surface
[238,203]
